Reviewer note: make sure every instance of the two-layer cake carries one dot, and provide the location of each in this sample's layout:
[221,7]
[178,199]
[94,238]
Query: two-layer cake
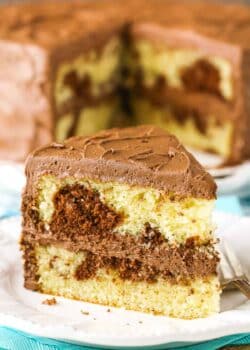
[122,218]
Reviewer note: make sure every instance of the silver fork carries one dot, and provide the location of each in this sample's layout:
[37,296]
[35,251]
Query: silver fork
[231,271]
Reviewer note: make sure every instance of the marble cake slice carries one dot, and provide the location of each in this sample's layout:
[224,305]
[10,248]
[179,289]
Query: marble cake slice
[121,218]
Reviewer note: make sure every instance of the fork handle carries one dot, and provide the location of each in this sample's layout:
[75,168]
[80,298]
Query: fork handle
[244,286]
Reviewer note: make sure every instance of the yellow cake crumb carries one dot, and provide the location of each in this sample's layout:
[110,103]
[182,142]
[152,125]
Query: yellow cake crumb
[199,298]
[155,60]
[176,220]
[217,139]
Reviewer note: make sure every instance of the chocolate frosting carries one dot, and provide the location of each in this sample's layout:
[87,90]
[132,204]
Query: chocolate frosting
[143,156]
[51,26]
[218,21]
[42,23]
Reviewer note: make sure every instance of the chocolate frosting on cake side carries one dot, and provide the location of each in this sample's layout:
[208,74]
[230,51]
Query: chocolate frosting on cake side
[144,156]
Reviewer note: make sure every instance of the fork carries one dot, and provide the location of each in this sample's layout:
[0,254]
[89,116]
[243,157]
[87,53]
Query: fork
[231,271]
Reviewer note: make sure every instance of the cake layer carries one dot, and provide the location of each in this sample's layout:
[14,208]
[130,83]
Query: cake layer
[201,131]
[85,90]
[87,120]
[133,209]
[90,74]
[76,103]
[196,298]
[185,68]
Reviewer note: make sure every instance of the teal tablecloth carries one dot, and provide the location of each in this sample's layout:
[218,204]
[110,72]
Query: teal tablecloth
[14,340]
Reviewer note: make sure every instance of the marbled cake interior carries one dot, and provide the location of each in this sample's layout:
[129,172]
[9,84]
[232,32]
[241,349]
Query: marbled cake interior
[199,298]
[177,220]
[151,66]
[133,247]
[85,91]
[101,69]
[210,134]
[88,119]
[182,68]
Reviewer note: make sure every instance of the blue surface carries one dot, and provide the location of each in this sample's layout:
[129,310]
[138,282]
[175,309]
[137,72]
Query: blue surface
[9,204]
[15,340]
[229,204]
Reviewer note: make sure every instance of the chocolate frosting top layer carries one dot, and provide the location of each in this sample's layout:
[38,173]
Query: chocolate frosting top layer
[46,23]
[144,155]
[52,25]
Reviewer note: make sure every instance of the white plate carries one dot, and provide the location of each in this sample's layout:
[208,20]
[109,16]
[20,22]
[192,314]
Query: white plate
[23,309]
[230,179]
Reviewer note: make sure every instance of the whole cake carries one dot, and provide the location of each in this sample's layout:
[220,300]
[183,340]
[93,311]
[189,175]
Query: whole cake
[81,67]
[122,218]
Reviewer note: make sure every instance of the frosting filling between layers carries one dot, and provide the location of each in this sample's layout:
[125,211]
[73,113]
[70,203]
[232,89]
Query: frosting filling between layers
[196,298]
[139,256]
[180,266]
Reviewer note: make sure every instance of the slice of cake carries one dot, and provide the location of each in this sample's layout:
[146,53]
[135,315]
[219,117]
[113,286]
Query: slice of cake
[122,218]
